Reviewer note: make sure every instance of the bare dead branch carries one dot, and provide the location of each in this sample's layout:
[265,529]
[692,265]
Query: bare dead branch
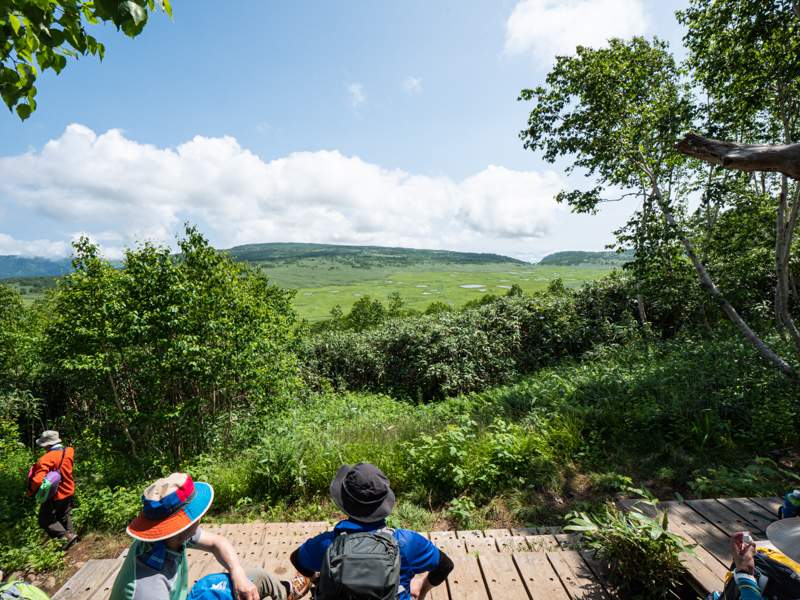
[743,157]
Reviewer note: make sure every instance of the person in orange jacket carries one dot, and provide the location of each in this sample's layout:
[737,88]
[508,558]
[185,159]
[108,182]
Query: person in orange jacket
[55,514]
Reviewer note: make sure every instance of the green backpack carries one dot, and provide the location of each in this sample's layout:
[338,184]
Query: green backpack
[19,590]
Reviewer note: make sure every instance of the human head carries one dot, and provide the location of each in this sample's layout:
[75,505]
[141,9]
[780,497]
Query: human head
[48,438]
[363,492]
[171,508]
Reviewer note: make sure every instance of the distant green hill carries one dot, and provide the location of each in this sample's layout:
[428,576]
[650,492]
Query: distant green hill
[577,257]
[360,256]
[23,266]
[283,254]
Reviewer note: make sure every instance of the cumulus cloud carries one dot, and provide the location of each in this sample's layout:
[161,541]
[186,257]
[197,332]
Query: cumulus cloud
[357,95]
[546,28]
[43,248]
[412,85]
[120,191]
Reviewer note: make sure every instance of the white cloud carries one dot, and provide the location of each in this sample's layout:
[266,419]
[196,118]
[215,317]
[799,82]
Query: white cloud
[120,191]
[44,248]
[412,85]
[547,28]
[357,95]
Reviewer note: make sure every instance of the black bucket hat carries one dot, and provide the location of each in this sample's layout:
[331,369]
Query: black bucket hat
[362,491]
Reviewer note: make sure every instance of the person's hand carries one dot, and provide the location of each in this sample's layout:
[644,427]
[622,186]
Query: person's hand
[743,553]
[419,587]
[244,589]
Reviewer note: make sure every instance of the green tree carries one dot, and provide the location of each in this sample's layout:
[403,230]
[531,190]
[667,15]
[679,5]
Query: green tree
[365,314]
[161,358]
[37,35]
[746,54]
[395,304]
[616,112]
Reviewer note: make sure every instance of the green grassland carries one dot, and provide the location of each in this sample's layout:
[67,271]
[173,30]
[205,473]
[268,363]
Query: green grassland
[326,275]
[321,285]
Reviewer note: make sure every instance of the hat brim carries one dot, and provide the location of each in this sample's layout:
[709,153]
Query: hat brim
[45,443]
[149,530]
[785,536]
[354,510]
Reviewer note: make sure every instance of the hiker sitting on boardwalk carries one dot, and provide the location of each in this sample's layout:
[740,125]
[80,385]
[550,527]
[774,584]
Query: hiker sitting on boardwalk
[361,557]
[50,479]
[156,566]
[766,569]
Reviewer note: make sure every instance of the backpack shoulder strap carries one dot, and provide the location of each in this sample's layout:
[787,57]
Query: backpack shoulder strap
[61,462]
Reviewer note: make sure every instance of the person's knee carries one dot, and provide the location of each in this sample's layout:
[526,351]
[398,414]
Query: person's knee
[269,587]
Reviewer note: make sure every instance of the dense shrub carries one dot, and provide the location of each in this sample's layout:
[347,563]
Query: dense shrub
[446,354]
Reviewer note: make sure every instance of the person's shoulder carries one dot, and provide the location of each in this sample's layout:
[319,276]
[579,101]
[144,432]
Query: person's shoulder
[316,545]
[411,538]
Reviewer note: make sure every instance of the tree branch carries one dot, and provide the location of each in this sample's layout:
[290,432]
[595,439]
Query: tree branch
[743,157]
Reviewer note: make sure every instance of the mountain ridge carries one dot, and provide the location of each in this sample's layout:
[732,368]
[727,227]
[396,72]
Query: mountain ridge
[15,266]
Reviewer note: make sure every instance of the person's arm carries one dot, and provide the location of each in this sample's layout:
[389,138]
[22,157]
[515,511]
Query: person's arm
[421,586]
[744,574]
[294,558]
[226,556]
[40,469]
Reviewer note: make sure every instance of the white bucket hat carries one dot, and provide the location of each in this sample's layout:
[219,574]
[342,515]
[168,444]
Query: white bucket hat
[785,535]
[48,438]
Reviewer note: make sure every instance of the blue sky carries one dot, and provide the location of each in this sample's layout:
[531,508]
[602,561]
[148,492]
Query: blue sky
[390,123]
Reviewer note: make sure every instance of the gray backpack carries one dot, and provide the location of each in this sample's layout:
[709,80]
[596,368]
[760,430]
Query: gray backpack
[363,565]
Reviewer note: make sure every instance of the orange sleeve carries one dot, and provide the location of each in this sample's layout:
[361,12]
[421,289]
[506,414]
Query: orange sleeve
[40,469]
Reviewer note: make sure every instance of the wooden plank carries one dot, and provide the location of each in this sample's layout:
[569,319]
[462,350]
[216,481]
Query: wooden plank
[201,566]
[466,581]
[103,590]
[770,504]
[251,553]
[706,572]
[721,516]
[452,547]
[437,536]
[496,533]
[86,580]
[280,569]
[749,511]
[481,545]
[539,577]
[576,576]
[702,531]
[567,541]
[512,543]
[543,543]
[468,534]
[501,577]
[549,530]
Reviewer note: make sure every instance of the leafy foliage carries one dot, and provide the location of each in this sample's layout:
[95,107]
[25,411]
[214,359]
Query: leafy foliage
[448,353]
[40,35]
[642,555]
[158,358]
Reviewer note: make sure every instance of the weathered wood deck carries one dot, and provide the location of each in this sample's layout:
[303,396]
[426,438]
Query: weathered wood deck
[507,564]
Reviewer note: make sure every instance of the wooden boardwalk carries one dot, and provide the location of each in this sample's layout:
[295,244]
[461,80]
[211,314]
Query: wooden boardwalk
[507,564]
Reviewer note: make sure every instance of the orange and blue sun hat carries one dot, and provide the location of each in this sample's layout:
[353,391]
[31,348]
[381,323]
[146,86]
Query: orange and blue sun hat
[170,506]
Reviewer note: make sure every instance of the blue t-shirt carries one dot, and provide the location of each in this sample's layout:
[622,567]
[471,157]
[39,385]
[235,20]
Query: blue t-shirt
[417,553]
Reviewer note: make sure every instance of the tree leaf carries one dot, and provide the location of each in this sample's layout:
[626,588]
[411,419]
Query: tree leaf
[15,23]
[24,111]
[138,13]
